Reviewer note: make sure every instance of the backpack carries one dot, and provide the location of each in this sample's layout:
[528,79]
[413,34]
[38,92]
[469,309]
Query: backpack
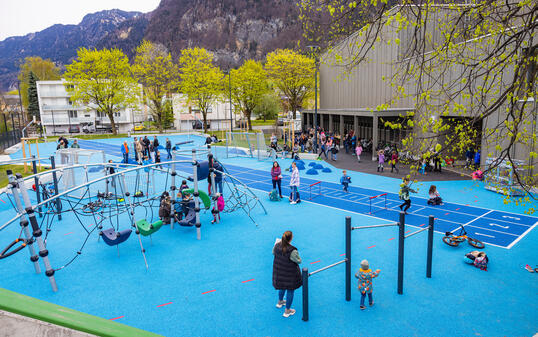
[273,196]
[220,203]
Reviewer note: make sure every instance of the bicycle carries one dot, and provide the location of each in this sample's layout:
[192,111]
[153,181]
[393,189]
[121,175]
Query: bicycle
[454,240]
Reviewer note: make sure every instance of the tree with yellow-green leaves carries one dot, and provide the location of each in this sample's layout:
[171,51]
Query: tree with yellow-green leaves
[249,85]
[103,79]
[201,80]
[154,69]
[293,75]
[468,71]
[43,70]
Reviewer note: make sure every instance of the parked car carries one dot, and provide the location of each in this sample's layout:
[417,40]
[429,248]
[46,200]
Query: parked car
[280,122]
[140,127]
[74,129]
[199,125]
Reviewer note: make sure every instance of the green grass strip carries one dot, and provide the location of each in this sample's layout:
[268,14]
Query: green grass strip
[62,316]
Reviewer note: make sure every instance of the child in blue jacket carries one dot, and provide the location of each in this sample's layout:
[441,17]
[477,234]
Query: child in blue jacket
[345,180]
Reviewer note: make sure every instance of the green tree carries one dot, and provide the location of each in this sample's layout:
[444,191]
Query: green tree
[292,74]
[155,70]
[44,70]
[268,107]
[33,102]
[467,71]
[249,84]
[102,78]
[201,81]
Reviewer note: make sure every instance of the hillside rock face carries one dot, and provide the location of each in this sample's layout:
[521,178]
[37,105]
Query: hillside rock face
[58,42]
[234,30]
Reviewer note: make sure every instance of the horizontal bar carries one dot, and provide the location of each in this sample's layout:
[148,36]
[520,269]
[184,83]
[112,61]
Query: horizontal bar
[378,196]
[329,266]
[416,232]
[375,226]
[319,182]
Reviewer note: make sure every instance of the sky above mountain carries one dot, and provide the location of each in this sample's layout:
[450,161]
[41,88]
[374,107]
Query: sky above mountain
[22,17]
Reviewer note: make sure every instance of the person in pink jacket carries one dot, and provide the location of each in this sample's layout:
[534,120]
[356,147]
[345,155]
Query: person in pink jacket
[358,151]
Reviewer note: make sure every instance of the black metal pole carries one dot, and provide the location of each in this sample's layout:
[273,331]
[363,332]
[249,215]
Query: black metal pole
[305,294]
[430,248]
[316,109]
[348,258]
[36,183]
[55,181]
[401,240]
[230,88]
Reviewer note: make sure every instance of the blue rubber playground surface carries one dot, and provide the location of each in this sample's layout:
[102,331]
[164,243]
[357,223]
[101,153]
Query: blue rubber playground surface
[221,285]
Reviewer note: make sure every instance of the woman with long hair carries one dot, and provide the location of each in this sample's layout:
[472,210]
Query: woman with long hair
[276,175]
[286,272]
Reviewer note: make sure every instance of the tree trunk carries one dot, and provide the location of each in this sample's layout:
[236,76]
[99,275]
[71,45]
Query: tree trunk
[204,115]
[249,123]
[112,123]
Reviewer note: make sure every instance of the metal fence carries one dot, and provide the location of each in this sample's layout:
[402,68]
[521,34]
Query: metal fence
[10,131]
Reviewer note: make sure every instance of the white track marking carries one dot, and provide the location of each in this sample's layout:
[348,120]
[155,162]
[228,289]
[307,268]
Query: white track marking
[494,224]
[490,236]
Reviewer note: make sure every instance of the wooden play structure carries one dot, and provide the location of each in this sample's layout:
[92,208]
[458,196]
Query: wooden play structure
[29,140]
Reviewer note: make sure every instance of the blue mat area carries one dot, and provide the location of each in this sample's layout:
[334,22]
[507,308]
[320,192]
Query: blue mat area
[221,285]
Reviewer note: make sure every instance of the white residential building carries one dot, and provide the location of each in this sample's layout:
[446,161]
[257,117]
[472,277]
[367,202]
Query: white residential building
[60,116]
[188,118]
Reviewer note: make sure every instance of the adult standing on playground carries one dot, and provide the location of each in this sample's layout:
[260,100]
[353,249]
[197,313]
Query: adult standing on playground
[286,273]
[168,148]
[294,183]
[146,145]
[218,175]
[140,151]
[155,144]
[75,145]
[125,152]
[276,177]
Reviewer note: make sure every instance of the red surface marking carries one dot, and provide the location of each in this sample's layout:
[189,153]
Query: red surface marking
[371,247]
[248,280]
[2,201]
[447,213]
[391,239]
[435,218]
[91,225]
[457,209]
[422,225]
[207,292]
[476,201]
[342,254]
[162,305]
[68,233]
[113,319]
[407,232]
[315,262]
[467,205]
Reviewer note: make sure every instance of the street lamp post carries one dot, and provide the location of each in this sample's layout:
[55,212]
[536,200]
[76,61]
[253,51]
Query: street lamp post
[315,48]
[230,92]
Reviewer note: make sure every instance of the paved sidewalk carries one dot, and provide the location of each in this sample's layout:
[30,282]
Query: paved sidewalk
[349,162]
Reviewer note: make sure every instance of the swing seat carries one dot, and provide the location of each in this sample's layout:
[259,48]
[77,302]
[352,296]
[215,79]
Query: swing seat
[113,238]
[145,228]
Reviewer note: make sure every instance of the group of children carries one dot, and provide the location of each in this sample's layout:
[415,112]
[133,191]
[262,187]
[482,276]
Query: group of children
[184,202]
[393,161]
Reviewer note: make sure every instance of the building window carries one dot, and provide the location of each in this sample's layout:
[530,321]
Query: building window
[117,114]
[72,113]
[87,116]
[69,102]
[70,87]
[100,114]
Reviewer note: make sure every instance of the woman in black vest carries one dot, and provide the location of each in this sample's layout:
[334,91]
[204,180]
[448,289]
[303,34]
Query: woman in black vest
[286,273]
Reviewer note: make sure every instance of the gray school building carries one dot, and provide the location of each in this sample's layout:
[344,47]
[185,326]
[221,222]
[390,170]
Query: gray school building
[348,98]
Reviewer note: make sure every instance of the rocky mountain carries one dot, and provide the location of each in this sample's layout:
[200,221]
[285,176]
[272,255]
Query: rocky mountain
[58,42]
[234,30]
